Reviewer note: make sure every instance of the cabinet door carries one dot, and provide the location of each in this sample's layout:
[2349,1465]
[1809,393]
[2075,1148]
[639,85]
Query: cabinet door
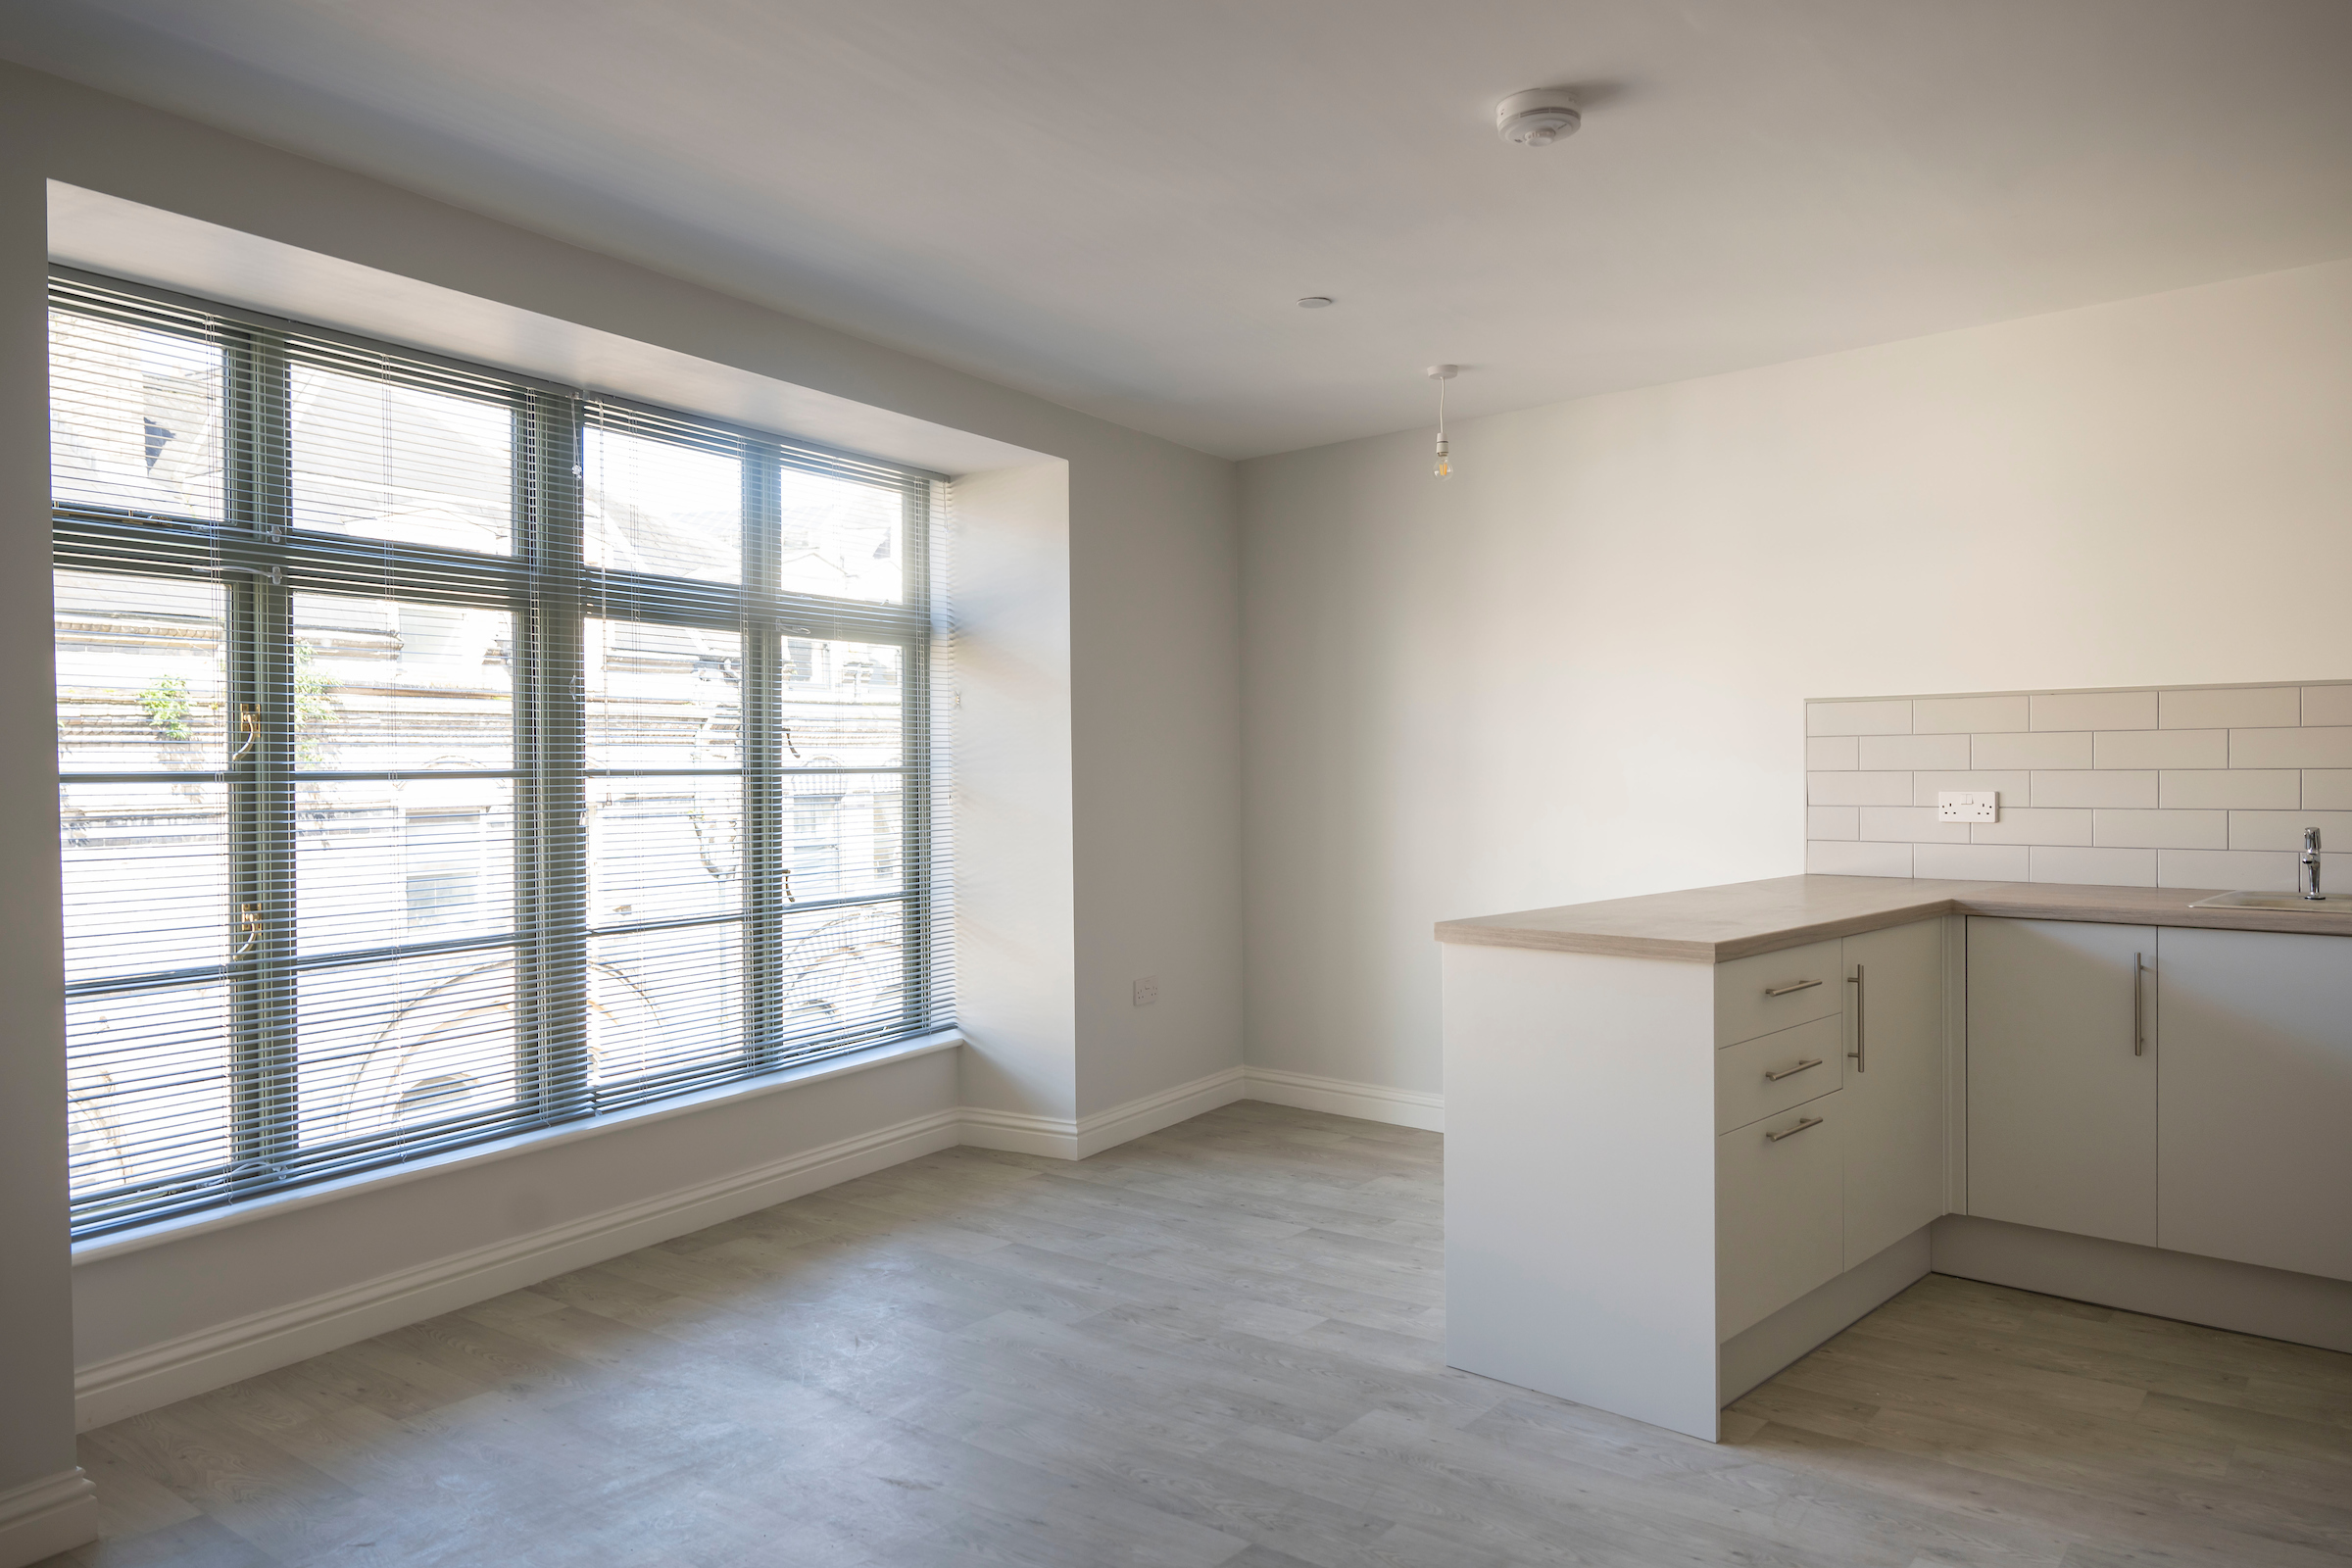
[1777,1227]
[1893,1086]
[2254,1156]
[2061,1111]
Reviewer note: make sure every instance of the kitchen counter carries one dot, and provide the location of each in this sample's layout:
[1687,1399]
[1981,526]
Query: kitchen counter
[1709,925]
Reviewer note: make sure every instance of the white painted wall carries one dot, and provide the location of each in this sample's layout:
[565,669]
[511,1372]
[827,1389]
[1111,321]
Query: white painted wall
[36,1381]
[1127,627]
[1575,670]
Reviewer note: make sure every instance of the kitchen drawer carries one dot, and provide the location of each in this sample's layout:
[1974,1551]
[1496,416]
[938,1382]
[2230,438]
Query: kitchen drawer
[1745,1007]
[1744,1090]
[1780,1220]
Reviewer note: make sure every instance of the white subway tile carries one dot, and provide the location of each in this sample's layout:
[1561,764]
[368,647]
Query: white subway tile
[2011,786]
[2231,708]
[1835,858]
[2094,710]
[2327,788]
[2034,824]
[2251,787]
[2328,704]
[1830,753]
[1972,862]
[1857,789]
[1909,824]
[1860,719]
[2284,830]
[2168,748]
[1914,751]
[2114,787]
[2250,870]
[2330,747]
[2160,830]
[2059,749]
[2115,868]
[1831,822]
[1963,715]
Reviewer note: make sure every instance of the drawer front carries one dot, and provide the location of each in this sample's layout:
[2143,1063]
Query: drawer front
[1765,1076]
[1775,990]
[1780,1222]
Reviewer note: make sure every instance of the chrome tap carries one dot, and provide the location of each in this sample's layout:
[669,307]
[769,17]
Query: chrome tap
[2311,864]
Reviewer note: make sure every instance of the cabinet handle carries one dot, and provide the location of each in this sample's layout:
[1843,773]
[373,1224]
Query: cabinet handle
[2139,1026]
[1855,980]
[1790,1072]
[1810,1121]
[1794,985]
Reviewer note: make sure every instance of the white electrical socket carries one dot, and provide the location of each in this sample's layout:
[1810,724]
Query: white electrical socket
[1146,991]
[1967,805]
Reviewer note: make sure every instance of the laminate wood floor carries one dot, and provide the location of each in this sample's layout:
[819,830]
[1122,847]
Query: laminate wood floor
[1216,1346]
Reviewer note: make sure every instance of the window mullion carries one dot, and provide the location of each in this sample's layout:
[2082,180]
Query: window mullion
[915,784]
[262,742]
[550,986]
[767,876]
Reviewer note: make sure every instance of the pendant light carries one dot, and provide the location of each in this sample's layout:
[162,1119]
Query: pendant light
[1443,373]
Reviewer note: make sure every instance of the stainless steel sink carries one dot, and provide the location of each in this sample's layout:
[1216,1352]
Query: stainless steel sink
[2338,904]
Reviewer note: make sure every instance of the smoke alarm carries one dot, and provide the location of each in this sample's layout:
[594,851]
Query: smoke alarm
[1537,118]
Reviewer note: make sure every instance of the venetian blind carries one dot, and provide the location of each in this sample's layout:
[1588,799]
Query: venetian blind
[445,754]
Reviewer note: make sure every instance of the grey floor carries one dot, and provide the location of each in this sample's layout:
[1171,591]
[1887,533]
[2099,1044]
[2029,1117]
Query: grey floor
[1218,1344]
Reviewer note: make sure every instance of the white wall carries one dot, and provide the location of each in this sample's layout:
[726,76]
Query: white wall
[1575,670]
[36,1382]
[1139,711]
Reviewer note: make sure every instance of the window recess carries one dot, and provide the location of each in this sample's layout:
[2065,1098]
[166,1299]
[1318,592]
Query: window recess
[445,755]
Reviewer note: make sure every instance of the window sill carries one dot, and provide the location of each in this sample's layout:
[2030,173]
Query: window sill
[101,1247]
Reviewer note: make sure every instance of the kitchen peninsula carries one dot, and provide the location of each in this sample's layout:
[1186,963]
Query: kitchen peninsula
[1692,1135]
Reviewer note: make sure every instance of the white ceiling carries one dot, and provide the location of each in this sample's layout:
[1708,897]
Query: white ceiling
[1113,203]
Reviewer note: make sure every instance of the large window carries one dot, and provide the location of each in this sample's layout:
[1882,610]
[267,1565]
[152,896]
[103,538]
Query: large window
[445,755]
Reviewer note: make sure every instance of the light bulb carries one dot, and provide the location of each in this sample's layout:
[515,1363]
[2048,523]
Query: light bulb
[1443,373]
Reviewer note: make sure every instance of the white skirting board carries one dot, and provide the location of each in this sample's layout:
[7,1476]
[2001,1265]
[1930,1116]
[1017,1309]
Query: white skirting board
[2302,1308]
[179,1368]
[42,1518]
[1398,1107]
[1063,1139]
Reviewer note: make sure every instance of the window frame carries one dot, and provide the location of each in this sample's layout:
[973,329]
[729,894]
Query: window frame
[263,561]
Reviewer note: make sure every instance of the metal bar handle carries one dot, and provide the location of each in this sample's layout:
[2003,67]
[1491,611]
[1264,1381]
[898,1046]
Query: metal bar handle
[249,921]
[1861,1064]
[1810,1121]
[1790,1072]
[2139,1012]
[1794,985]
[252,726]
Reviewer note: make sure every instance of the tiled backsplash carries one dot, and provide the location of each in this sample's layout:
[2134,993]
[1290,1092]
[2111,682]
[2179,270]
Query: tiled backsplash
[2206,787]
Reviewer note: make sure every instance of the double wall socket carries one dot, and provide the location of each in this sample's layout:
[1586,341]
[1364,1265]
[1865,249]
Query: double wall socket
[1967,805]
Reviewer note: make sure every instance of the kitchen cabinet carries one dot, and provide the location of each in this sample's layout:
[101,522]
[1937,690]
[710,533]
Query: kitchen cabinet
[2254,1125]
[1690,1136]
[1820,1169]
[2062,1063]
[1894,1086]
[1666,1178]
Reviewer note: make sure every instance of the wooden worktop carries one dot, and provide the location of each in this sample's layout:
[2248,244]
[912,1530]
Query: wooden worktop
[1707,925]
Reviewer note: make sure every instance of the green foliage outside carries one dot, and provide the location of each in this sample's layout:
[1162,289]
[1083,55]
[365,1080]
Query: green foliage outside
[165,700]
[313,709]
